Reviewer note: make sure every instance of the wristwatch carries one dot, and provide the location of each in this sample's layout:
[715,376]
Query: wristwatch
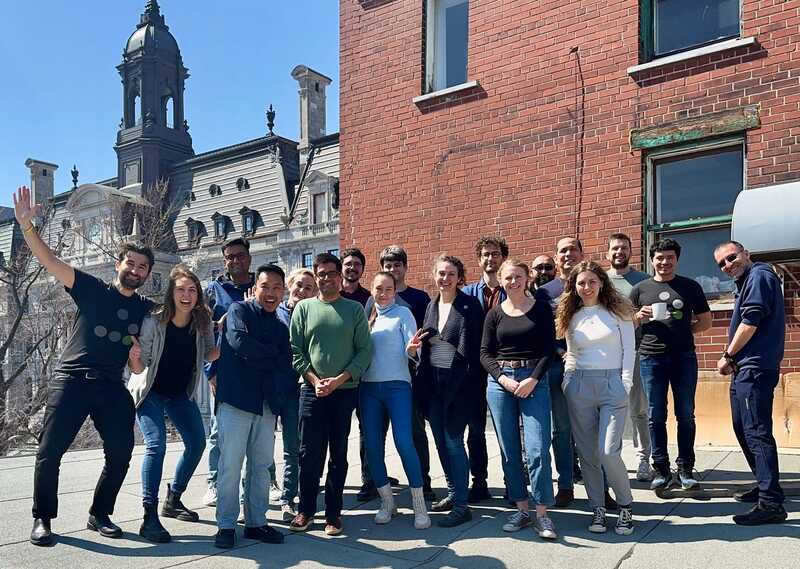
[728,357]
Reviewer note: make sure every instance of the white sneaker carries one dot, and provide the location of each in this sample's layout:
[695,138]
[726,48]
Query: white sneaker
[210,497]
[275,491]
[645,472]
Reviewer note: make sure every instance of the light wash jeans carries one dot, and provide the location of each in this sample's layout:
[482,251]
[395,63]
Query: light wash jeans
[242,434]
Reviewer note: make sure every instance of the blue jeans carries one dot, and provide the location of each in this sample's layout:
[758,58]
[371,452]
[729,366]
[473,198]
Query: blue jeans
[243,434]
[562,431]
[213,447]
[534,410]
[660,373]
[287,407]
[448,423]
[185,415]
[376,399]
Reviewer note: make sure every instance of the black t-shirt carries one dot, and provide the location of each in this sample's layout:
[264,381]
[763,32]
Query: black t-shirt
[177,362]
[361,295]
[685,299]
[104,323]
[530,336]
[417,301]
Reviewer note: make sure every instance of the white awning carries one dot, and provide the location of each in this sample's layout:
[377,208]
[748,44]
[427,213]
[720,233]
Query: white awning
[767,222]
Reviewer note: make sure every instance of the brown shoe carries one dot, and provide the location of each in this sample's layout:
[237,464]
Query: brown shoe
[301,522]
[333,527]
[564,498]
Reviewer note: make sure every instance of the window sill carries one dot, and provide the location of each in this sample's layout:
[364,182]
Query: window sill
[692,53]
[444,93]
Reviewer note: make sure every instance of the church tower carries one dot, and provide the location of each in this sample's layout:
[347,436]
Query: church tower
[153,133]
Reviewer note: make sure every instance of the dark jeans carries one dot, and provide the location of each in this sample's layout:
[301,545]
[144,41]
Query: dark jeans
[448,422]
[563,447]
[678,372]
[185,415]
[324,427]
[476,439]
[752,393]
[70,400]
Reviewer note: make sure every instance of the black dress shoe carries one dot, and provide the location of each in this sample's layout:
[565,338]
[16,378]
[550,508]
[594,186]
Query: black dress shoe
[264,533]
[761,514]
[103,525]
[455,518]
[40,534]
[749,496]
[443,505]
[367,492]
[225,538]
[478,494]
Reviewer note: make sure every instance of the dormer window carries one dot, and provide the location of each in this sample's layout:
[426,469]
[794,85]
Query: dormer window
[214,190]
[242,184]
[195,231]
[222,225]
[250,220]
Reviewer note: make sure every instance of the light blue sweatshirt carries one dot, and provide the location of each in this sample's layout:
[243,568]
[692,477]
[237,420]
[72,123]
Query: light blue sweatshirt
[391,331]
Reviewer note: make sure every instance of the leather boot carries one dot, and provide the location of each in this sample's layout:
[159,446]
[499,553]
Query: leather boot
[40,534]
[174,508]
[151,528]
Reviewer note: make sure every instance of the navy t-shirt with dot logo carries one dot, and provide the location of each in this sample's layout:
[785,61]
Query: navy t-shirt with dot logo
[100,338]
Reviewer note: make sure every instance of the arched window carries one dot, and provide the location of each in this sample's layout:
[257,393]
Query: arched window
[137,109]
[169,112]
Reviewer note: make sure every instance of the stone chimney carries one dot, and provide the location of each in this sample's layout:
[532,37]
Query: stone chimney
[312,106]
[42,185]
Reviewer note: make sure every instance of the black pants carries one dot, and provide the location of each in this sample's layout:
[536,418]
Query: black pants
[752,394]
[70,400]
[324,427]
[476,439]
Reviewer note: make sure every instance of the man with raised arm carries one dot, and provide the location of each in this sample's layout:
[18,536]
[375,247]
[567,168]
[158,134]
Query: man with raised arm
[88,380]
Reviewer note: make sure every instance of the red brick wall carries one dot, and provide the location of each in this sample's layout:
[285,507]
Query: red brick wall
[516,156]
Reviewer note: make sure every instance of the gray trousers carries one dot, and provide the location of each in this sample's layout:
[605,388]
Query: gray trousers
[640,418]
[598,406]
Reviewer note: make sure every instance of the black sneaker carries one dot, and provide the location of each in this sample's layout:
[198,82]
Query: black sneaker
[661,480]
[761,514]
[687,479]
[443,505]
[455,518]
[367,492]
[225,538]
[266,534]
[749,496]
[624,521]
[478,494]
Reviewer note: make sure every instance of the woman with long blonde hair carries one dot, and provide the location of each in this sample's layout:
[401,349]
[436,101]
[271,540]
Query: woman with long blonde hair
[167,365]
[597,323]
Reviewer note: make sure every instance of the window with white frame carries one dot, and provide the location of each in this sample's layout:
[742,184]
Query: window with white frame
[672,26]
[691,193]
[446,35]
[318,208]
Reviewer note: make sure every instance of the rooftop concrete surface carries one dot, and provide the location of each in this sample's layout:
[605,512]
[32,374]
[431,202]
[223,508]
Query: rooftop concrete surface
[684,532]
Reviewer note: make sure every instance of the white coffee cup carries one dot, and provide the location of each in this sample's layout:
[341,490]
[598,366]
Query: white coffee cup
[660,311]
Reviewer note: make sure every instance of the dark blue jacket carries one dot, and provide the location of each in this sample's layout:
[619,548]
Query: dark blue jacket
[759,302]
[220,294]
[255,362]
[476,289]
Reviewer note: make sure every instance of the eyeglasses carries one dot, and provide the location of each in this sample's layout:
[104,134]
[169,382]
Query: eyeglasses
[728,259]
[543,268]
[322,275]
[236,257]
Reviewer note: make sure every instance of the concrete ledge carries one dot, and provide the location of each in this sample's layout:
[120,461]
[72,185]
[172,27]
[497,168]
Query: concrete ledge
[692,53]
[442,93]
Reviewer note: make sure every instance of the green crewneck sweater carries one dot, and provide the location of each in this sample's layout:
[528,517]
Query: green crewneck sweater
[329,338]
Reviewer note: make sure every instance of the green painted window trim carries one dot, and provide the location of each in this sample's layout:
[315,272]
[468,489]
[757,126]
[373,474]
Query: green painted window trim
[700,223]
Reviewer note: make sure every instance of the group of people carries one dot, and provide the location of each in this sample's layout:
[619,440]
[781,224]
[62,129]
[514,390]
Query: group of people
[559,353]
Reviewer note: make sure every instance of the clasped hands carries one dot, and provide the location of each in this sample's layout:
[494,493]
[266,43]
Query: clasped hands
[520,389]
[324,386]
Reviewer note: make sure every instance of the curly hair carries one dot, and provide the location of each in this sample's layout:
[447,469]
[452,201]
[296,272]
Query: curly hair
[456,262]
[491,241]
[608,297]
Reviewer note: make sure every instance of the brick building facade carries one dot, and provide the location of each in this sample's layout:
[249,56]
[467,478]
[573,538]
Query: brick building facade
[569,118]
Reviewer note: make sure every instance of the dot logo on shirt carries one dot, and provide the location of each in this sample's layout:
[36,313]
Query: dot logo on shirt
[663,295]
[677,303]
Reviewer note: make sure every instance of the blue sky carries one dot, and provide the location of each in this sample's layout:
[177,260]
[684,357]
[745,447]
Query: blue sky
[61,96]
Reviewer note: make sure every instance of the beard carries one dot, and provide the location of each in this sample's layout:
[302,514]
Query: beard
[130,281]
[619,264]
[542,279]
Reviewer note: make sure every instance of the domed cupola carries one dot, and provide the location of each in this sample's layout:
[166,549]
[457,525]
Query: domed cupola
[151,34]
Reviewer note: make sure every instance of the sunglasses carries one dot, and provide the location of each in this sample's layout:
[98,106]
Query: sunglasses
[542,268]
[728,259]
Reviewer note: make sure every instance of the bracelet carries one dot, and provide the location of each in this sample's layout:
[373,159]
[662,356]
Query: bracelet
[727,356]
[31,228]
